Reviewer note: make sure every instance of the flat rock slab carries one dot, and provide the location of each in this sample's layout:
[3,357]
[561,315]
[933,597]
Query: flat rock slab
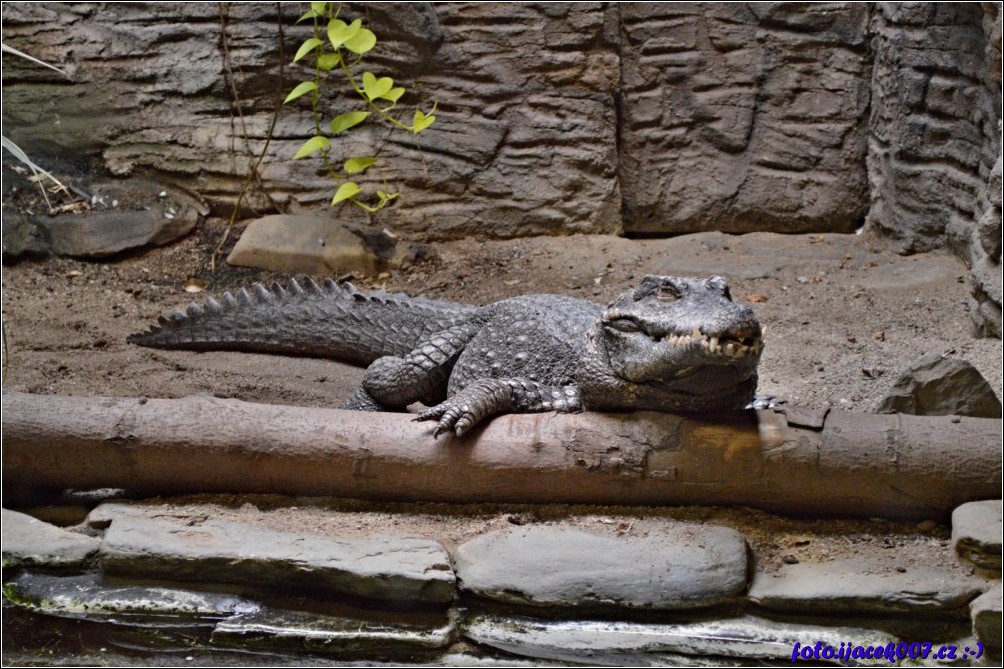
[987,617]
[863,585]
[678,566]
[28,542]
[620,643]
[976,533]
[400,569]
[87,597]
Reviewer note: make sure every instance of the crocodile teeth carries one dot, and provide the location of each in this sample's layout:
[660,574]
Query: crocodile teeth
[696,334]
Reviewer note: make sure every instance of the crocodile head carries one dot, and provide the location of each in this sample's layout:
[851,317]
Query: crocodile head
[672,344]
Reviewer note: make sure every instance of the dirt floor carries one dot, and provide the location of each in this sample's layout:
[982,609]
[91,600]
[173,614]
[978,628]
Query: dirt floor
[843,315]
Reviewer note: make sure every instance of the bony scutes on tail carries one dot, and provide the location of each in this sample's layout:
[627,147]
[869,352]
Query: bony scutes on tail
[670,344]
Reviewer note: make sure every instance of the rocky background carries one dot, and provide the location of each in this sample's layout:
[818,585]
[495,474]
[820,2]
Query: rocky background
[637,119]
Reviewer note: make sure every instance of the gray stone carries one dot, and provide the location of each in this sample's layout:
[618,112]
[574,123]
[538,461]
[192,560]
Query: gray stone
[21,237]
[30,542]
[862,585]
[86,596]
[123,215]
[935,385]
[621,643]
[319,246]
[100,233]
[383,567]
[987,617]
[976,533]
[315,632]
[678,566]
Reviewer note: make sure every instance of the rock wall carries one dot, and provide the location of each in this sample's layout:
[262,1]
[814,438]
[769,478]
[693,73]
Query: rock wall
[934,147]
[741,117]
[644,119]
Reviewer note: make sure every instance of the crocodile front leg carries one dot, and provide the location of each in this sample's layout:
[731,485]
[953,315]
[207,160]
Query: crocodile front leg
[489,397]
[419,376]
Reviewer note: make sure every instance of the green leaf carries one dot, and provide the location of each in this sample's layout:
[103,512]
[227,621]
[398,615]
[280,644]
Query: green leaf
[328,61]
[343,122]
[385,196]
[312,145]
[357,165]
[361,42]
[319,8]
[421,121]
[393,94]
[339,33]
[300,90]
[307,47]
[376,88]
[309,14]
[346,191]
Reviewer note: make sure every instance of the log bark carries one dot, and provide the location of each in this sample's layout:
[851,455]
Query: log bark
[835,463]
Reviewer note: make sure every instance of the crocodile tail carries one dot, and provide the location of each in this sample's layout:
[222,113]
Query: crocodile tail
[330,320]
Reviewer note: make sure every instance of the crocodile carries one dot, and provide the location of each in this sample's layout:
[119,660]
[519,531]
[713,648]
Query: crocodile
[669,344]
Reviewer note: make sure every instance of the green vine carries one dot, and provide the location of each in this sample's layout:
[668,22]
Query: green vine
[340,45]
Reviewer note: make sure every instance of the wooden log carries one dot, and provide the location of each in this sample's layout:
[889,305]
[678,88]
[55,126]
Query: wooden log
[838,463]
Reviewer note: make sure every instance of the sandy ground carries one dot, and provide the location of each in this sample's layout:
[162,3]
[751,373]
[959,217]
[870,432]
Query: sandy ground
[844,315]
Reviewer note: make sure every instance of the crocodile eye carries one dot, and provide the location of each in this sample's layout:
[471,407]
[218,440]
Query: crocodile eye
[721,285]
[623,325]
[668,293]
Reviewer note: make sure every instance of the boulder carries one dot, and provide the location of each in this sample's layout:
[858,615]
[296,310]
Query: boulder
[936,385]
[319,246]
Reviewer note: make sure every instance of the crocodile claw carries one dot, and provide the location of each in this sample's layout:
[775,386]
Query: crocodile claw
[456,418]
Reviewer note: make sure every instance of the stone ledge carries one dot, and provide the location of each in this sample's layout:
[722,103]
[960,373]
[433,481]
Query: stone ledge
[863,585]
[619,643]
[398,569]
[680,566]
[87,597]
[313,632]
[30,542]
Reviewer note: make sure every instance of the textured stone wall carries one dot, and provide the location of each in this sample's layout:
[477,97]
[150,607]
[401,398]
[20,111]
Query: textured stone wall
[741,117]
[525,142]
[984,241]
[934,148]
[637,118]
[934,122]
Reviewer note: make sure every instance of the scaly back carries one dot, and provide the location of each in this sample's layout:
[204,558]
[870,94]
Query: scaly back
[330,320]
